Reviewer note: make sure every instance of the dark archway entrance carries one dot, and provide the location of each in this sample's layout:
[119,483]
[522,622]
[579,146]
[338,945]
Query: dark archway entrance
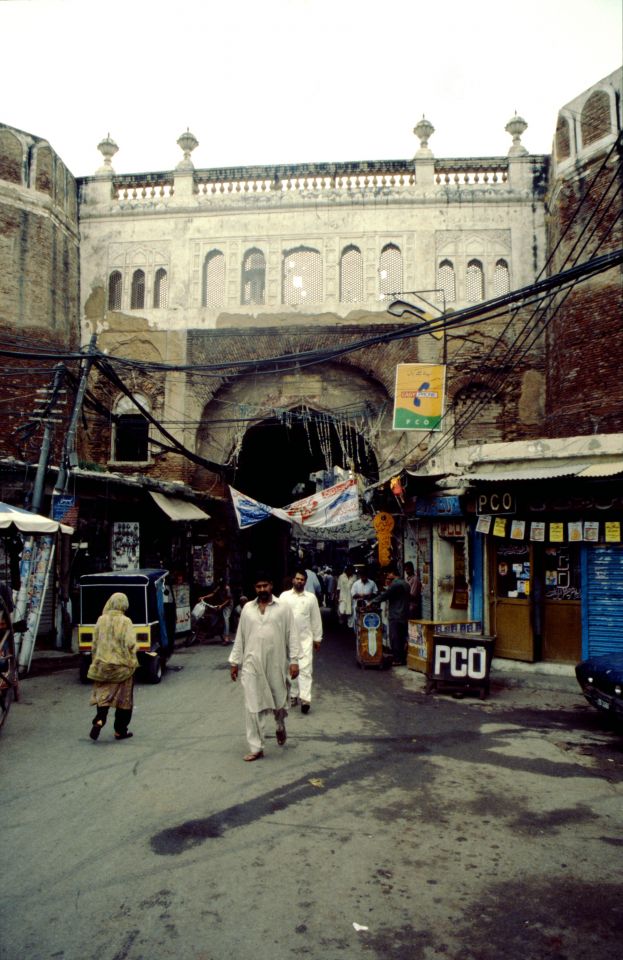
[275,466]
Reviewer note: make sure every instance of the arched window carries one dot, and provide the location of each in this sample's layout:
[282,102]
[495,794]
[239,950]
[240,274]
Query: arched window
[476,415]
[301,280]
[446,282]
[595,119]
[213,292]
[161,289]
[390,271]
[114,290]
[253,280]
[130,441]
[475,282]
[501,278]
[563,139]
[351,275]
[137,294]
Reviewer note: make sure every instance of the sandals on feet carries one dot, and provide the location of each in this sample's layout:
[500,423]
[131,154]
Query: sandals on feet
[281,735]
[96,729]
[253,756]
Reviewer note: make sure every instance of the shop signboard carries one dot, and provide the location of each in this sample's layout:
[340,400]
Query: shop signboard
[419,396]
[460,662]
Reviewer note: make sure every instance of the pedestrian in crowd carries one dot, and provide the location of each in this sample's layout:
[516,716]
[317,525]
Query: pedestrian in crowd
[344,597]
[398,596]
[266,650]
[362,590]
[113,664]
[313,584]
[415,591]
[330,585]
[227,608]
[308,622]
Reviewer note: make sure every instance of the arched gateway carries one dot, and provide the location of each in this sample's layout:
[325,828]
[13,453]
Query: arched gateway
[286,436]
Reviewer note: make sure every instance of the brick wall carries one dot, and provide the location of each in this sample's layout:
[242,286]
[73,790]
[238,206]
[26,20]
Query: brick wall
[585,332]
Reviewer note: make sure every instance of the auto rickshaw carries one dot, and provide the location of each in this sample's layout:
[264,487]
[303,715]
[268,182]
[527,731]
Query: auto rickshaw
[145,591]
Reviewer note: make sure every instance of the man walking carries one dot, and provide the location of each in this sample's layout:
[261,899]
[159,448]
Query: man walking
[308,621]
[361,591]
[267,648]
[398,595]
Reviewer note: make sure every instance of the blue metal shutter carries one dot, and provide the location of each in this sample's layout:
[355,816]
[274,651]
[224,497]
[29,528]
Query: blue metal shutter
[602,603]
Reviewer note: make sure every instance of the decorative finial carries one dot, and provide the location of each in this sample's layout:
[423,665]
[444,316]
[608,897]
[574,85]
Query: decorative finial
[187,142]
[108,148]
[423,130]
[516,127]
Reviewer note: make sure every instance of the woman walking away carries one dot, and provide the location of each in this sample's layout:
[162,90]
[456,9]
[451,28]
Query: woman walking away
[113,662]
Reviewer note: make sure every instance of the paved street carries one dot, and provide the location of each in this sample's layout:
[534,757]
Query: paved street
[392,825]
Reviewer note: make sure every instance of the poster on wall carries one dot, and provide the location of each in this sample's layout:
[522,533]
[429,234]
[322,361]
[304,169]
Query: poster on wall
[419,396]
[203,564]
[181,593]
[124,553]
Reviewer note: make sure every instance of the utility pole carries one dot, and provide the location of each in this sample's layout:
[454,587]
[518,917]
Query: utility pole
[69,456]
[47,416]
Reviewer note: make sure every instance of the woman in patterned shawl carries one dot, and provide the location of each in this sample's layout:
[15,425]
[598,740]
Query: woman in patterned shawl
[113,662]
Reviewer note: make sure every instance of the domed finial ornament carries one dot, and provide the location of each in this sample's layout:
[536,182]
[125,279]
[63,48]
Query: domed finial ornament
[423,130]
[187,142]
[516,127]
[108,148]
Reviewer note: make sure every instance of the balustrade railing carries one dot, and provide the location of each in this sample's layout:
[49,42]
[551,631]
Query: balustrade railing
[312,179]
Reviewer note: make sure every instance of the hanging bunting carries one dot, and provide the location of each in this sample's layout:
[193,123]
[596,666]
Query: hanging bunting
[518,529]
[557,533]
[537,531]
[613,531]
[499,527]
[591,531]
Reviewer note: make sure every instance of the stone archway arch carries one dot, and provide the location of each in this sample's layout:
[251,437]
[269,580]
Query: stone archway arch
[331,392]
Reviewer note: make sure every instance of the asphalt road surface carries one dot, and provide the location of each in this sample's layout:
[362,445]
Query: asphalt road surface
[392,825]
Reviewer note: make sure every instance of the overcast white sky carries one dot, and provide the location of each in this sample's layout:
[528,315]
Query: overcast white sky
[287,81]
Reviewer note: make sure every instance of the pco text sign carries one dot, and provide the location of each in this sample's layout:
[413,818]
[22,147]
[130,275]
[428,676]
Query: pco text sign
[495,502]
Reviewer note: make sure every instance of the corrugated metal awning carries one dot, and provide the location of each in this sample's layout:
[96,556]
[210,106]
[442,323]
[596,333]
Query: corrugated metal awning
[602,469]
[524,471]
[177,509]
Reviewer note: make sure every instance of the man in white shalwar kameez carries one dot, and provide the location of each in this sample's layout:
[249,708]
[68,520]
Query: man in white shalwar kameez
[267,649]
[308,621]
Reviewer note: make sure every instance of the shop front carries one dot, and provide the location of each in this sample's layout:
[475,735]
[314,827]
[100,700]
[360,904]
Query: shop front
[541,543]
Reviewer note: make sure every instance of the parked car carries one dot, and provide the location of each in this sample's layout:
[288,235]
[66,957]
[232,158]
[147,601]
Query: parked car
[601,679]
[145,592]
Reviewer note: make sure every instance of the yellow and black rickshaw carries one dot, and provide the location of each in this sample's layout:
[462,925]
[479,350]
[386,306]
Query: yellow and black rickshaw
[145,591]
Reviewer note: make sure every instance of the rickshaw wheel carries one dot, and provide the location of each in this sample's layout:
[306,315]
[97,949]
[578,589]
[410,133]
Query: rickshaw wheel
[153,669]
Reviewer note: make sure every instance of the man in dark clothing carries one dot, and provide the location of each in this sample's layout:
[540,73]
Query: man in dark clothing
[397,594]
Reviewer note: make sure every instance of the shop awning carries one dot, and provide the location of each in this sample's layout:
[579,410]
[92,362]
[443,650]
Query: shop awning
[507,472]
[177,509]
[28,522]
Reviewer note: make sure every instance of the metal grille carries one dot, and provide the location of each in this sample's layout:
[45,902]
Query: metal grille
[137,296]
[253,277]
[114,290]
[390,271]
[214,280]
[446,282]
[161,288]
[475,282]
[501,279]
[302,276]
[351,275]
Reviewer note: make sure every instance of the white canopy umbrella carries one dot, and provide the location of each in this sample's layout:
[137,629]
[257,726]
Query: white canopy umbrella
[28,522]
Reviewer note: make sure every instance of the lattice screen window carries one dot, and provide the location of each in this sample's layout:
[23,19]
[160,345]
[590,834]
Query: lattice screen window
[301,276]
[446,282]
[115,282]
[475,282]
[476,415]
[390,271]
[501,279]
[351,275]
[253,277]
[130,440]
[137,295]
[161,289]
[213,287]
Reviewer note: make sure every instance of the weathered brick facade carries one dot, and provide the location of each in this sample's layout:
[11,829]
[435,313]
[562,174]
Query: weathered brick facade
[585,334]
